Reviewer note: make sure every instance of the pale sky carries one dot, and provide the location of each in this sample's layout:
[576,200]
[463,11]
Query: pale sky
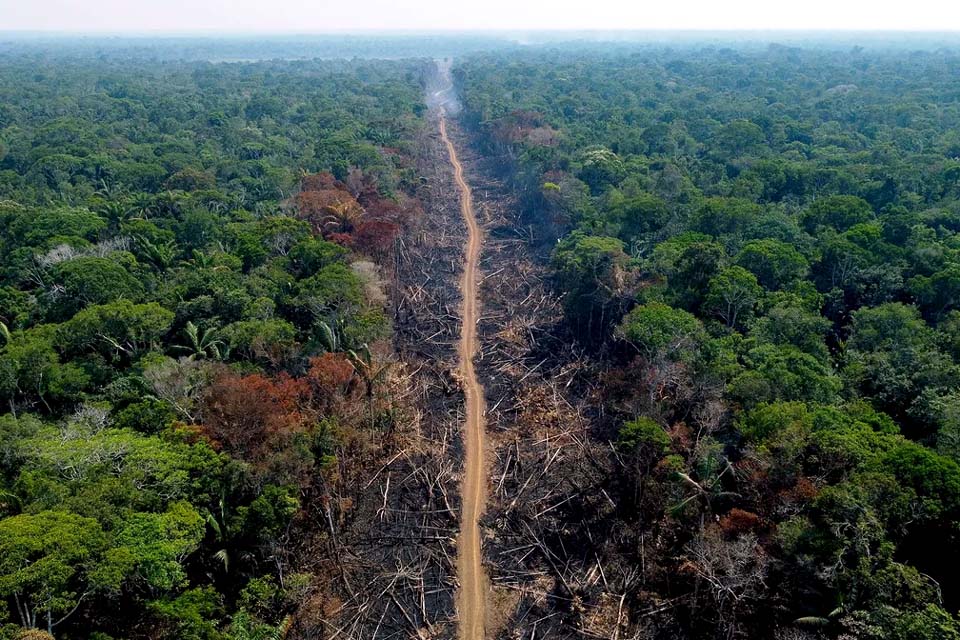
[307,16]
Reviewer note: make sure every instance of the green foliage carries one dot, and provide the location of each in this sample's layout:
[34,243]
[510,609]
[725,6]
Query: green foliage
[268,340]
[600,168]
[839,211]
[31,369]
[116,329]
[895,361]
[930,623]
[590,269]
[657,331]
[51,559]
[783,372]
[785,324]
[36,228]
[732,295]
[719,216]
[146,416]
[192,615]
[311,255]
[637,216]
[90,280]
[776,264]
[644,433]
[150,241]
[797,273]
[158,543]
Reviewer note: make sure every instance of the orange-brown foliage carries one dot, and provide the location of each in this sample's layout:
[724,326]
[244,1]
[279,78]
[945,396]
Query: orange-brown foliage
[320,182]
[254,417]
[738,521]
[250,415]
[352,213]
[805,490]
[329,210]
[343,239]
[330,377]
[376,237]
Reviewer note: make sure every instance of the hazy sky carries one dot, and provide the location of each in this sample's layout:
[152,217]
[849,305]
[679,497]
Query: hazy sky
[303,16]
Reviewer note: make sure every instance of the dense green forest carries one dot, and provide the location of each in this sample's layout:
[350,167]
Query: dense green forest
[193,327]
[762,245]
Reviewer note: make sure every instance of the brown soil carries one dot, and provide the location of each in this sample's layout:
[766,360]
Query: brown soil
[471,601]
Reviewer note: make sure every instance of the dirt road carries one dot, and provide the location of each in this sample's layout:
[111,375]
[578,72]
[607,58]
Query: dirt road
[471,601]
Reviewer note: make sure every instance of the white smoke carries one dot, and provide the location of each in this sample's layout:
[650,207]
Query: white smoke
[440,92]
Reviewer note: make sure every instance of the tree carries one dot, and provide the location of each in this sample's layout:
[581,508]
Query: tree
[35,228]
[725,216]
[329,211]
[690,277]
[272,341]
[50,562]
[738,138]
[90,280]
[376,238]
[638,215]
[255,418]
[659,331]
[783,372]
[600,168]
[333,290]
[930,623]
[117,329]
[893,359]
[313,254]
[731,571]
[280,233]
[938,293]
[371,372]
[31,369]
[177,382]
[839,212]
[590,270]
[787,323]
[158,543]
[190,179]
[732,295]
[191,615]
[643,443]
[203,343]
[776,264]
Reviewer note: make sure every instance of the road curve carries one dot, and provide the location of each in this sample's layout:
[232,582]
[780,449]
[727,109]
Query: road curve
[472,597]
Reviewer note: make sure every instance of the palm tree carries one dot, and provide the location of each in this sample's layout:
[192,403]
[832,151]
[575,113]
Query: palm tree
[203,343]
[341,215]
[370,372]
[160,254]
[141,205]
[116,212]
[198,259]
[169,203]
[331,337]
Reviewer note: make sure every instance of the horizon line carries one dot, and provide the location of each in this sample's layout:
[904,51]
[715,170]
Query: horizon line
[366,31]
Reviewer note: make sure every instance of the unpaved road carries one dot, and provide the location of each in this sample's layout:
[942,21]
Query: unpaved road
[472,598]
